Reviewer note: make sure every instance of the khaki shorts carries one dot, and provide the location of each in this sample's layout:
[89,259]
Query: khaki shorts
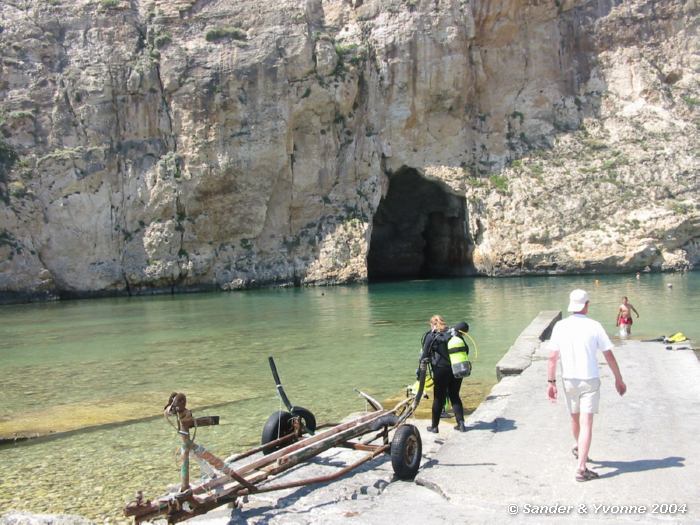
[582,395]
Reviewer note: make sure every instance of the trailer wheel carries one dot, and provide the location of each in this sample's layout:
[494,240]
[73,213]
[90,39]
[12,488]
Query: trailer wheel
[307,418]
[277,425]
[406,450]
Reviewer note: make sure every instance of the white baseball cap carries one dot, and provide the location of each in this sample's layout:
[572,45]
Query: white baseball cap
[577,300]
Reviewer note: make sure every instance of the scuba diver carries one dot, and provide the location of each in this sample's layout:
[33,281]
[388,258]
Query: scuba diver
[436,345]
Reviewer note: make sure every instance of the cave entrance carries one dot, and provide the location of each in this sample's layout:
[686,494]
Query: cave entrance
[419,231]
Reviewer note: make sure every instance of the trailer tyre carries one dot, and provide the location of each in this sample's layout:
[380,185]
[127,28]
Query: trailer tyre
[307,418]
[406,450]
[277,425]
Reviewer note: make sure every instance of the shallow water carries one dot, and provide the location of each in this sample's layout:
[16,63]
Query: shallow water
[78,364]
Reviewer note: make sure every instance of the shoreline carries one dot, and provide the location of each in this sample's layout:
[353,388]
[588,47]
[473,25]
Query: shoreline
[13,297]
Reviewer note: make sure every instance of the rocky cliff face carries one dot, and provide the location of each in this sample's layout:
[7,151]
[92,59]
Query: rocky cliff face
[187,144]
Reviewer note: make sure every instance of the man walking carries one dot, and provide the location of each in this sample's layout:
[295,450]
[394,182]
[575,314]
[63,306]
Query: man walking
[577,340]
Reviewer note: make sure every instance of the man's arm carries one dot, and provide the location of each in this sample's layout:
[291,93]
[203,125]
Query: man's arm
[612,363]
[552,375]
[633,309]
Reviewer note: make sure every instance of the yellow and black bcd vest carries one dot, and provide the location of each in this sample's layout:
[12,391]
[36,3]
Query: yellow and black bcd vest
[459,356]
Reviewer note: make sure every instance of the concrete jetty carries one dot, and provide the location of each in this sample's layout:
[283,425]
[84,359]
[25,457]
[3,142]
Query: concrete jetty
[515,463]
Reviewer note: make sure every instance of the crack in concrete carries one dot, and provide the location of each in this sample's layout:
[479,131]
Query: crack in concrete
[434,487]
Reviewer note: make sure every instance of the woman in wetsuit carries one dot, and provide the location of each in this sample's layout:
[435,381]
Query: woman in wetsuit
[445,384]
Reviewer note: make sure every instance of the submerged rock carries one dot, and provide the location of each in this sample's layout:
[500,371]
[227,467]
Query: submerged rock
[27,518]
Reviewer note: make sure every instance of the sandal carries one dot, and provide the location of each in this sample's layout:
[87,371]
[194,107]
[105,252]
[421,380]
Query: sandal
[586,475]
[574,451]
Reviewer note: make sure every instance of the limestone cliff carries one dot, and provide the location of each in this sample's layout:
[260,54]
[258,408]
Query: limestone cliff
[194,144]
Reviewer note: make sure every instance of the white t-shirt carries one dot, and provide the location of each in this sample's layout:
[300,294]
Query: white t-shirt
[578,340]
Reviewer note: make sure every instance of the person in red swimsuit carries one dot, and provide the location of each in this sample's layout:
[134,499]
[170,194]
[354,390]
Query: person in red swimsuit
[624,315]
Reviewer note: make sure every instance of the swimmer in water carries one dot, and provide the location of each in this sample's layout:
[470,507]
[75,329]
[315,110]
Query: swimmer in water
[624,316]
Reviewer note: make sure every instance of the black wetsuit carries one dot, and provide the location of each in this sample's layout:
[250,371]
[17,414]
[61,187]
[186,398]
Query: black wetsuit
[445,384]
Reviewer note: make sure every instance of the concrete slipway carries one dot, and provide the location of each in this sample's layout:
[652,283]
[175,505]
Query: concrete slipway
[514,465]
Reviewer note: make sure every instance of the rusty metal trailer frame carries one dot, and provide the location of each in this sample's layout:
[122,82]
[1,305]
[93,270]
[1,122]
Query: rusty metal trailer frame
[231,482]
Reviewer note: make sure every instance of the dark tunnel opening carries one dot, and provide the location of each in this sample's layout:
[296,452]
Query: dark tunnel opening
[419,231]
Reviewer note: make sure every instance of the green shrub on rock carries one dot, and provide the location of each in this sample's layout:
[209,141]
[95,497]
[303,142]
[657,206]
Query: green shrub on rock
[8,157]
[222,33]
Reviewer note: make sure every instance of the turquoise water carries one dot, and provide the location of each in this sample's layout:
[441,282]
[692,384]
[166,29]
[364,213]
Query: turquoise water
[78,364]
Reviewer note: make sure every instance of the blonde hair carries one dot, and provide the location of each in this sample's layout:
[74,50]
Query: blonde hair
[437,322]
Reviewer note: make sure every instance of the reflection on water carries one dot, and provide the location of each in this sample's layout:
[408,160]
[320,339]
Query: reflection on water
[85,363]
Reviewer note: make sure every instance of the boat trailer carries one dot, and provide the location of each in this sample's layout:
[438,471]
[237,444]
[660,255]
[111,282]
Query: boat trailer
[289,438]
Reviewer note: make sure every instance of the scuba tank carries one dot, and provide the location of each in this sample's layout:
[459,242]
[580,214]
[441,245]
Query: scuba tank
[459,355]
